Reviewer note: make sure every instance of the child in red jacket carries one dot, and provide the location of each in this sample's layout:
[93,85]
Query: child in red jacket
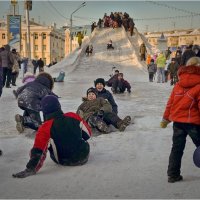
[64,135]
[183,108]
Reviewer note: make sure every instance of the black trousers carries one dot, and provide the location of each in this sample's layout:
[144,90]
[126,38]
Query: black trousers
[79,158]
[14,78]
[111,118]
[151,74]
[7,73]
[181,130]
[31,119]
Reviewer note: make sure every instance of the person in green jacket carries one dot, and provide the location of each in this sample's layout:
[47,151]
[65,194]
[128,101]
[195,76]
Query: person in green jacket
[80,38]
[161,61]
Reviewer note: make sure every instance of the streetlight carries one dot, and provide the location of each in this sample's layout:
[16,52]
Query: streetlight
[82,5]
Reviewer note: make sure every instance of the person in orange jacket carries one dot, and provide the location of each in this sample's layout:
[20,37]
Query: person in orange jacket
[183,108]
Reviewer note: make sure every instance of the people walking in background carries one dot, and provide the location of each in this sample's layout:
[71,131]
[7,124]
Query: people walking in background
[64,135]
[40,64]
[143,52]
[168,53]
[35,65]
[7,61]
[15,68]
[184,99]
[173,69]
[161,61]
[152,68]
[188,53]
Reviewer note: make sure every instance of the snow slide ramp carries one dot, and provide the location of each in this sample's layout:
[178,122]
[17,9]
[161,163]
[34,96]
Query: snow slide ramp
[101,62]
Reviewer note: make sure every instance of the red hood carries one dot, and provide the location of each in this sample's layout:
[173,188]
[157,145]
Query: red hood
[189,76]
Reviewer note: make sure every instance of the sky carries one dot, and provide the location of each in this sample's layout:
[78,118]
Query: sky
[146,14]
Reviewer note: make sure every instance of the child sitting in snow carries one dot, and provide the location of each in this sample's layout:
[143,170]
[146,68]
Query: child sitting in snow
[120,85]
[65,134]
[60,77]
[109,45]
[98,113]
[29,99]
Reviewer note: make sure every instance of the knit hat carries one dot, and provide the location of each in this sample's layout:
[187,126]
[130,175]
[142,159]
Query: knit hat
[50,104]
[93,90]
[99,80]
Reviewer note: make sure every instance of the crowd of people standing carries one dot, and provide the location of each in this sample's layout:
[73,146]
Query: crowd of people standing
[115,20]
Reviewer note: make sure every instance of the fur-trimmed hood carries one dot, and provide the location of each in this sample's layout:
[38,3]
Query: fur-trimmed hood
[189,76]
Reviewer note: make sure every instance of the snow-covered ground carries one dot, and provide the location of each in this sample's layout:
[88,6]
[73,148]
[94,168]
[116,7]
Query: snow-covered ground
[130,164]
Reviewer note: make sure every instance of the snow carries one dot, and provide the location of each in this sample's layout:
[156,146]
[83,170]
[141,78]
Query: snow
[130,164]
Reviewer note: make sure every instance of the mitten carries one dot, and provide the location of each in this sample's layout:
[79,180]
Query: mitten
[129,91]
[164,123]
[24,174]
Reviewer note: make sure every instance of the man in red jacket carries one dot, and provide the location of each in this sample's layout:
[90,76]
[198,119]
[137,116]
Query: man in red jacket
[64,135]
[183,108]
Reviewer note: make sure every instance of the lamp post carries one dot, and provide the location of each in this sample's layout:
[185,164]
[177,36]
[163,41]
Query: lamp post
[82,5]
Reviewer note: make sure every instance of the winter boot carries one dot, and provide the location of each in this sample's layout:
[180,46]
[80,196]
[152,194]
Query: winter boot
[122,124]
[1,152]
[173,179]
[99,124]
[19,126]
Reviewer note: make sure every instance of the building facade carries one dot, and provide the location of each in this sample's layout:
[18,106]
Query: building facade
[85,30]
[47,42]
[175,38]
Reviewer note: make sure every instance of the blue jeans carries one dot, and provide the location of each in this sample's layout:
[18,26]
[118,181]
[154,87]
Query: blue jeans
[161,75]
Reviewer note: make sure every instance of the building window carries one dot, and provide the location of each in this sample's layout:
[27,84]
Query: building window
[44,47]
[45,60]
[3,36]
[21,47]
[36,36]
[36,47]
[44,36]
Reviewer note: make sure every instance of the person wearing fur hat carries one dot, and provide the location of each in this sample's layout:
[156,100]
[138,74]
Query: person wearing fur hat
[64,135]
[120,85]
[29,99]
[102,92]
[98,113]
[183,108]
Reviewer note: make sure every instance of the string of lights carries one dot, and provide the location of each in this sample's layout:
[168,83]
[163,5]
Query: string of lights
[166,18]
[173,8]
[50,3]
